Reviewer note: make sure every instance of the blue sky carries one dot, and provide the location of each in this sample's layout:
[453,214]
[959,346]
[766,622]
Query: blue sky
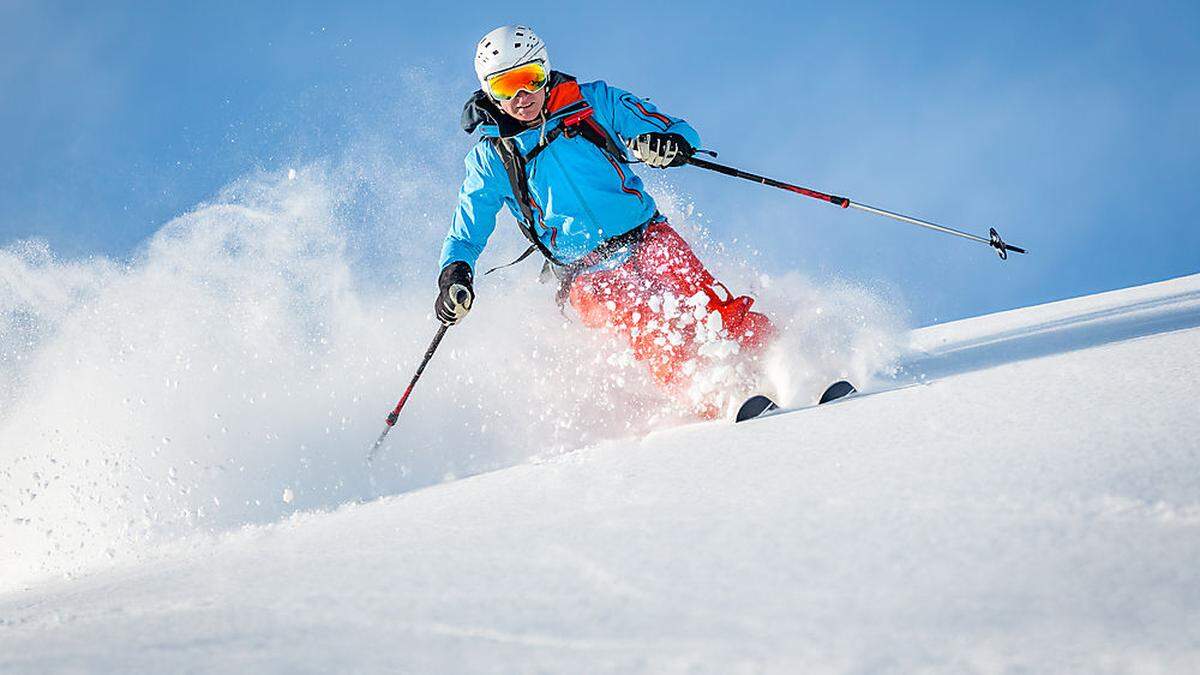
[1070,127]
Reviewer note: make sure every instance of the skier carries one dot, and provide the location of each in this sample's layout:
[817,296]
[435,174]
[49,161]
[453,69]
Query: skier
[554,152]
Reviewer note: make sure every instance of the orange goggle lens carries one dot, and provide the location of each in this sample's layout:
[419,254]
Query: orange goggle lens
[530,77]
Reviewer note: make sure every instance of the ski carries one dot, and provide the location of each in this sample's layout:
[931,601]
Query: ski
[755,406]
[839,389]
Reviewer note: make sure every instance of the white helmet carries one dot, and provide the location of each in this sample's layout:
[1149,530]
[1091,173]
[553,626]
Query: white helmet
[508,47]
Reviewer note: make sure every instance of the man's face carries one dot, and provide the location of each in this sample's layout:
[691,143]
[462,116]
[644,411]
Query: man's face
[525,106]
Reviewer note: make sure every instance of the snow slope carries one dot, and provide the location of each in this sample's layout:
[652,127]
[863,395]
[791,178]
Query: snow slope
[295,315]
[1030,502]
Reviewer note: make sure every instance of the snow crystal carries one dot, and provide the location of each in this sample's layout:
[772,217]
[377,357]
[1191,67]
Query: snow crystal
[713,323]
[670,305]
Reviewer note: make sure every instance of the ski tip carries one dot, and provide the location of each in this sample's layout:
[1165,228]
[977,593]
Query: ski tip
[754,407]
[839,389]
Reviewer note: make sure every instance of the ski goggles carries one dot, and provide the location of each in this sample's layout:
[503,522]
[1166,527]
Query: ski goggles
[506,84]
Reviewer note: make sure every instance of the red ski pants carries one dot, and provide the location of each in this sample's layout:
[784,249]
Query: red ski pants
[660,301]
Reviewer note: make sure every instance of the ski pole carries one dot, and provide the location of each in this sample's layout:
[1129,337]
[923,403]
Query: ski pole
[395,414]
[994,240]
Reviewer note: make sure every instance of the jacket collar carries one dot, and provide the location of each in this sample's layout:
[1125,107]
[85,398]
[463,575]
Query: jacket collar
[481,112]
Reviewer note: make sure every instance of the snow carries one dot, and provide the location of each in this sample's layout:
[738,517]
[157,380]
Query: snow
[1024,495]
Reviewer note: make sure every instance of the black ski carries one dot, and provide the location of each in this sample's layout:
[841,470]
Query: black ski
[839,389]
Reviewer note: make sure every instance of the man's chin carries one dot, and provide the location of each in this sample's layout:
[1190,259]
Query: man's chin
[528,116]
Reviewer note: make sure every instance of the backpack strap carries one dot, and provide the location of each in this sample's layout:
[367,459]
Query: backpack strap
[580,121]
[528,252]
[514,165]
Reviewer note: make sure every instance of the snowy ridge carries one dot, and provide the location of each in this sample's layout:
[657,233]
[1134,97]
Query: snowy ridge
[1059,326]
[1035,506]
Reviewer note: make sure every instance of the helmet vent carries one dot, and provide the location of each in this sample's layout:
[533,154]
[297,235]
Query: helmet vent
[504,48]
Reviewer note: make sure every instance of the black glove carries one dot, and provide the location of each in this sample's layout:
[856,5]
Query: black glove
[455,293]
[660,150]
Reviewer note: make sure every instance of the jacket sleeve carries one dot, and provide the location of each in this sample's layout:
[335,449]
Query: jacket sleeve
[479,201]
[632,116]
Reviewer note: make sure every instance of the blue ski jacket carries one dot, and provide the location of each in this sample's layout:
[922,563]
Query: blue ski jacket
[581,195]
